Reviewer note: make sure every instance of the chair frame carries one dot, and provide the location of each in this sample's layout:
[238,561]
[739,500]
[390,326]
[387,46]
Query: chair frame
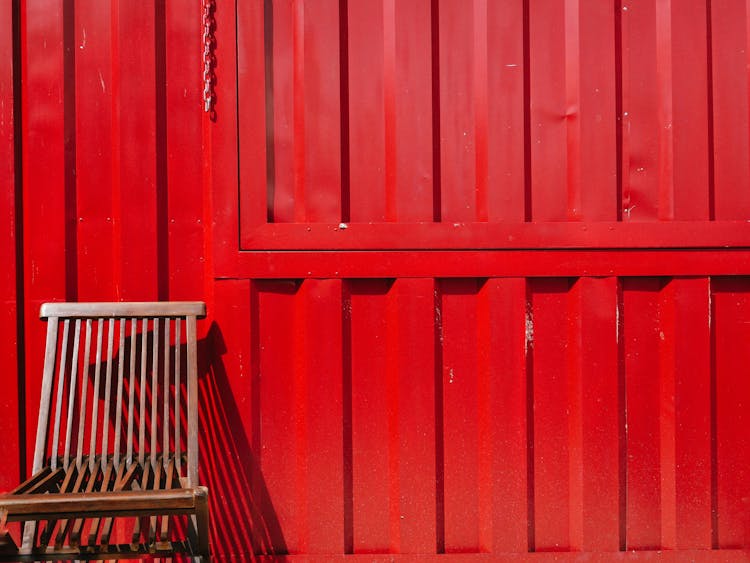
[46,497]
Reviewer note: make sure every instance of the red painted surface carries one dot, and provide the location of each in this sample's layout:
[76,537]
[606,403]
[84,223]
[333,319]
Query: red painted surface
[9,294]
[477,271]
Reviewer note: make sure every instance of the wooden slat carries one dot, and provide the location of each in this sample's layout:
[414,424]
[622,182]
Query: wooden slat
[154,390]
[122,482]
[31,481]
[75,532]
[165,392]
[144,487]
[123,503]
[131,398]
[46,534]
[69,480]
[50,355]
[81,483]
[46,480]
[84,388]
[177,418]
[68,486]
[72,392]
[162,542]
[128,478]
[60,387]
[118,404]
[131,309]
[142,409]
[118,483]
[106,480]
[80,479]
[95,397]
[107,387]
[158,473]
[192,414]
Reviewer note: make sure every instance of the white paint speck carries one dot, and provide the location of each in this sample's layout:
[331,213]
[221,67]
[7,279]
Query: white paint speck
[617,323]
[529,340]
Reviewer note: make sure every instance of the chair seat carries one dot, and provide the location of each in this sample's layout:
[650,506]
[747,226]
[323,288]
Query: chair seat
[91,476]
[91,489]
[130,493]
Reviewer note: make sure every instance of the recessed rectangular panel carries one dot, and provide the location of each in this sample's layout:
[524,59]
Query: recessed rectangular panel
[363,124]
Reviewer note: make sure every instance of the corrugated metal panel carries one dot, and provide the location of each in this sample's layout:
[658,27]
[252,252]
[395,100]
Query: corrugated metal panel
[542,347]
[494,415]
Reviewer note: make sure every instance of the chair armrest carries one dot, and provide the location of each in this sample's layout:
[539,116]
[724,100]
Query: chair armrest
[100,504]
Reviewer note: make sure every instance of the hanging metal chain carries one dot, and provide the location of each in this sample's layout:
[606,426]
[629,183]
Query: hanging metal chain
[209,41]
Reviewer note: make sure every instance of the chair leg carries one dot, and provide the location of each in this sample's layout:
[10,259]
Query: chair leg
[201,524]
[29,535]
[7,545]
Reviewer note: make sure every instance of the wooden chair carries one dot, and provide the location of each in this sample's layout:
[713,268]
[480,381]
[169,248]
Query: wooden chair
[117,436]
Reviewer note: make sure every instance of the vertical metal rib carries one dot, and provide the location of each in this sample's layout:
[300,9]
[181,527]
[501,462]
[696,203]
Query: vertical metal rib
[118,404]
[154,391]
[60,387]
[72,392]
[131,398]
[192,414]
[84,388]
[107,387]
[165,392]
[177,419]
[142,391]
[95,397]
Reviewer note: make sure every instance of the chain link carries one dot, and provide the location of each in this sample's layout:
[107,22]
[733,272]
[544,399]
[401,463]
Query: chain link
[209,25]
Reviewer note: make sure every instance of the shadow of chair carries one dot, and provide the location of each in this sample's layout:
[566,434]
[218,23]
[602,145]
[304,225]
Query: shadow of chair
[243,521]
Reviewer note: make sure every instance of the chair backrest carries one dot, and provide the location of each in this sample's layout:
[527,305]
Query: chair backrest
[120,386]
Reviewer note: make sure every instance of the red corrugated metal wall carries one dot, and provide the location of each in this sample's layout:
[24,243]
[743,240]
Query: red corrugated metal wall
[476,270]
